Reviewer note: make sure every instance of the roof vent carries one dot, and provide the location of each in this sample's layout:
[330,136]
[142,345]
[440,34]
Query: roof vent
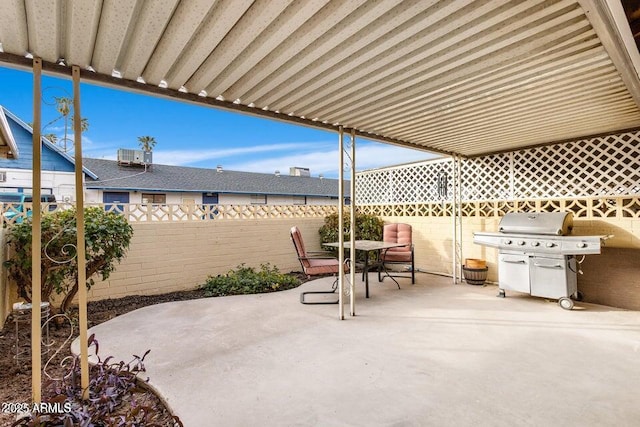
[296,171]
[321,176]
[219,168]
[277,173]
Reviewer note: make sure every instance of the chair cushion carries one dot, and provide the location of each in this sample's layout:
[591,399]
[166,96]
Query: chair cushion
[397,255]
[322,266]
[313,266]
[397,233]
[298,242]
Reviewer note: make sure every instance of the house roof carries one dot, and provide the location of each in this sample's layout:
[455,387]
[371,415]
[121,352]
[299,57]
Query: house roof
[466,77]
[56,155]
[112,176]
[7,141]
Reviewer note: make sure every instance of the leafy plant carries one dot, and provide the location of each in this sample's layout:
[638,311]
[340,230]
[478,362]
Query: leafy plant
[107,237]
[368,227]
[112,397]
[246,280]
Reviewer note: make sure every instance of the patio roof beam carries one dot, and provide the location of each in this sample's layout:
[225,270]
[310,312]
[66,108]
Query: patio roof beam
[21,62]
[528,147]
[610,24]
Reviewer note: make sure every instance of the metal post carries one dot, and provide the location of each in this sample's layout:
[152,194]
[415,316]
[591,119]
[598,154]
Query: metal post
[36,238]
[454,231]
[82,268]
[461,257]
[352,193]
[340,222]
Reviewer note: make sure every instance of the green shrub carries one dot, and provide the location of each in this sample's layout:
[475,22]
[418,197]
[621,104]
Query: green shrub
[368,227]
[107,237]
[246,280]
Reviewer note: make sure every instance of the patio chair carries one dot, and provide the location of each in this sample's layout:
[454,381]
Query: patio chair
[397,233]
[318,263]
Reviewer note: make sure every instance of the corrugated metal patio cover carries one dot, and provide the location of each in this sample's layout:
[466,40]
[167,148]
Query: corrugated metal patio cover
[457,76]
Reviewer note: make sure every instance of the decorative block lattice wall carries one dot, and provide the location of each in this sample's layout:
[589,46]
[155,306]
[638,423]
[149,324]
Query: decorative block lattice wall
[595,177]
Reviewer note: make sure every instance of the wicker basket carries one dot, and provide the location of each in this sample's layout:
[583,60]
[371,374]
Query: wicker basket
[475,276]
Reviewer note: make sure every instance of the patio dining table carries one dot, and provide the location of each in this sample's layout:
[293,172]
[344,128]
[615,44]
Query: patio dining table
[368,246]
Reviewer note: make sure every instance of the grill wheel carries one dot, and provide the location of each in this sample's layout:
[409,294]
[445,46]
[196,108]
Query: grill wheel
[565,303]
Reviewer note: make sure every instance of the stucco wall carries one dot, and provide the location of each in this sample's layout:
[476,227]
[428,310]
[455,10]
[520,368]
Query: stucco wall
[165,257]
[612,278]
[61,184]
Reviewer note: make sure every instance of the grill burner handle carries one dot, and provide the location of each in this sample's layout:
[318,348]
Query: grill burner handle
[547,266]
[514,262]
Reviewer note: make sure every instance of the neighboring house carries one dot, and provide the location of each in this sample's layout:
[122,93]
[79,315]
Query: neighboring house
[108,181]
[164,184]
[16,161]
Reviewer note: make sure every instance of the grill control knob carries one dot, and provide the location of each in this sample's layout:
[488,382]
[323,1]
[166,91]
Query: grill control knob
[582,245]
[506,242]
[521,243]
[550,244]
[534,244]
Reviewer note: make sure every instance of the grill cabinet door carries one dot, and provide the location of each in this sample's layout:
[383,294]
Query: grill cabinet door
[513,272]
[550,277]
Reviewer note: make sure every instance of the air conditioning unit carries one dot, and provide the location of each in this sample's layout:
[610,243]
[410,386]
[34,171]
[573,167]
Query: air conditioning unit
[132,157]
[298,171]
[67,199]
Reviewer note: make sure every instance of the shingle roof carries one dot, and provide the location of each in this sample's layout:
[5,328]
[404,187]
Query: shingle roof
[189,179]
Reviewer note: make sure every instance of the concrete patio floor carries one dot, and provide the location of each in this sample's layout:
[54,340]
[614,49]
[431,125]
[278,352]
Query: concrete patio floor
[432,354]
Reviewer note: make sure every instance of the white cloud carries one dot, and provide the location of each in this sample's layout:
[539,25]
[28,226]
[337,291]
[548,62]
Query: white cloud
[368,156]
[186,157]
[320,157]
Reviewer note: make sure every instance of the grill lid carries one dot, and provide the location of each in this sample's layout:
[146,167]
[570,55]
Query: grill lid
[546,223]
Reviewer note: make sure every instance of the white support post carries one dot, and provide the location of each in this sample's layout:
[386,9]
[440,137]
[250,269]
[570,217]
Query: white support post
[340,223]
[80,242]
[352,193]
[461,256]
[454,231]
[36,238]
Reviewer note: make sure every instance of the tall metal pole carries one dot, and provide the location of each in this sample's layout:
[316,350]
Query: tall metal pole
[461,257]
[454,231]
[340,222]
[352,193]
[36,237]
[80,242]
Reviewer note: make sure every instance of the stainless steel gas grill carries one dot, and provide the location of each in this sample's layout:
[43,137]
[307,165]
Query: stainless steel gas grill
[538,256]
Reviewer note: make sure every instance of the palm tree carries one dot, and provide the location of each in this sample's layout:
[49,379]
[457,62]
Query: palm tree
[147,143]
[64,106]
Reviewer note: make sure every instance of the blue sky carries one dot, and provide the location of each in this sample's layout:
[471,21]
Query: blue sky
[190,135]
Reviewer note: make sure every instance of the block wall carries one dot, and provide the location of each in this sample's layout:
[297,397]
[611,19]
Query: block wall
[165,257]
